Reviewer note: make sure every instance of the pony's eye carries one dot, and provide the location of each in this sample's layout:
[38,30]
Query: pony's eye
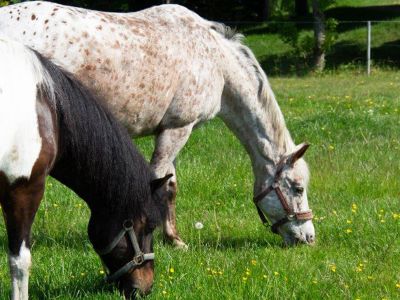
[299,190]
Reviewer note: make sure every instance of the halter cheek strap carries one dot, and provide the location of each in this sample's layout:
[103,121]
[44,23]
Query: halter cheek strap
[137,260]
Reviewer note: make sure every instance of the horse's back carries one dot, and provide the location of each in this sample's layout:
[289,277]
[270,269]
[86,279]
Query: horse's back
[157,68]
[21,143]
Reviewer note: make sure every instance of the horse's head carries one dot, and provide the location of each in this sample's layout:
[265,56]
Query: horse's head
[283,199]
[125,245]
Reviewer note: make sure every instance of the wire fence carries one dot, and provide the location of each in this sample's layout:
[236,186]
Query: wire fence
[362,43]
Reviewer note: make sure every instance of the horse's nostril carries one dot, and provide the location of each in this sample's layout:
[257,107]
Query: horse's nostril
[310,238]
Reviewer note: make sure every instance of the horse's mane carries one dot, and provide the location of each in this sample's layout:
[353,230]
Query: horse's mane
[97,158]
[265,94]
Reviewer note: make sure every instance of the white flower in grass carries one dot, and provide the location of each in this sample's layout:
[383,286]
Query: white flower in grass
[198,225]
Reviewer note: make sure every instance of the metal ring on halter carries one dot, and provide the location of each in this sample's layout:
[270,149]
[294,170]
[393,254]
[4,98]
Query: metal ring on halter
[137,260]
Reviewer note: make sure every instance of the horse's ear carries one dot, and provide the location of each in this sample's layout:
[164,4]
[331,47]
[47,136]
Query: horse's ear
[159,182]
[298,153]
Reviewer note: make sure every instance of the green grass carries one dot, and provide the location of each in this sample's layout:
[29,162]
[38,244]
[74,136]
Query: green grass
[353,123]
[361,3]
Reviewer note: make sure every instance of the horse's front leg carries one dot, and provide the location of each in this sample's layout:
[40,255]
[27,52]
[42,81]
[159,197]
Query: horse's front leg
[20,202]
[168,144]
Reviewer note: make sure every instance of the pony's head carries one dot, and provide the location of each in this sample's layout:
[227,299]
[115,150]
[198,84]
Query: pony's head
[283,199]
[125,244]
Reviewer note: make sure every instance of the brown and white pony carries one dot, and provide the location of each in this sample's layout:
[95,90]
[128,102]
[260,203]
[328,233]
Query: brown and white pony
[164,71]
[51,125]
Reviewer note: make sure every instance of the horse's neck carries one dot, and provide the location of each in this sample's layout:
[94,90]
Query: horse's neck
[253,115]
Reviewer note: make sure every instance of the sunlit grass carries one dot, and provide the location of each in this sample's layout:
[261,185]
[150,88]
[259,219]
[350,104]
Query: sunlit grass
[353,124]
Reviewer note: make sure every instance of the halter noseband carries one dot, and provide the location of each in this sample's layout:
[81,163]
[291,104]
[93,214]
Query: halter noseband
[138,259]
[290,213]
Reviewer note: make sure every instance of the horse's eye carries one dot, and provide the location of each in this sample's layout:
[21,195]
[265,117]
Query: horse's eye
[299,190]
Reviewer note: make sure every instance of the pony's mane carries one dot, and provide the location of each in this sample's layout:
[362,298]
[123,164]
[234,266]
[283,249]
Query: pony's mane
[265,94]
[96,157]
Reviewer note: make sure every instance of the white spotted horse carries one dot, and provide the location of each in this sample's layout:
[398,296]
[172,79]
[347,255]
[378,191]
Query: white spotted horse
[51,125]
[164,71]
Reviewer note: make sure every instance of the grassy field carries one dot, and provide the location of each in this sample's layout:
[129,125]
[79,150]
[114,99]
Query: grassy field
[353,124]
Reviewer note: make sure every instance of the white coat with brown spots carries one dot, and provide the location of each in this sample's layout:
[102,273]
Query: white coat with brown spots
[163,71]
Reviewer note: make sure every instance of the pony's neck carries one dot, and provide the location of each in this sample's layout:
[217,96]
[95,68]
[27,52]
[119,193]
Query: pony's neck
[252,113]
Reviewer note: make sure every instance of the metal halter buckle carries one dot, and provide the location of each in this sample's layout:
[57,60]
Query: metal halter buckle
[138,259]
[291,217]
[127,225]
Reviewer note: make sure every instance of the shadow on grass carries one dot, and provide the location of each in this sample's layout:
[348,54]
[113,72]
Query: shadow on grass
[341,54]
[76,288]
[68,240]
[242,243]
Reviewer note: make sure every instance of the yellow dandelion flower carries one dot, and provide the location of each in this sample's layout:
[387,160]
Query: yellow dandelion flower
[398,285]
[383,221]
[348,221]
[358,269]
[348,230]
[164,292]
[332,267]
[101,272]
[354,206]
[247,273]
[276,273]
[370,277]
[253,262]
[395,216]
[265,276]
[331,147]
[244,278]
[171,270]
[83,274]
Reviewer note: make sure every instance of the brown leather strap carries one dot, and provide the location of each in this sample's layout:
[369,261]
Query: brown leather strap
[262,194]
[304,215]
[262,217]
[283,201]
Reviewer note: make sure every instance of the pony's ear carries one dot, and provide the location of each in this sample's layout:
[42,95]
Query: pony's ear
[297,154]
[159,182]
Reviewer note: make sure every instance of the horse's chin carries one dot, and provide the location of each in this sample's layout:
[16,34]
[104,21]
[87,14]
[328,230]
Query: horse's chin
[294,235]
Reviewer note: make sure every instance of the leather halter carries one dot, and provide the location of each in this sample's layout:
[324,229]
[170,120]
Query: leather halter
[138,259]
[290,213]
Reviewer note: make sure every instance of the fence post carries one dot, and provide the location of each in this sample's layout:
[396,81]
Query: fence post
[369,47]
